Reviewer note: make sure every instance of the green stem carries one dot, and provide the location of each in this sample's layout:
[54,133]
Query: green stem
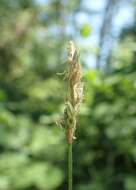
[70,166]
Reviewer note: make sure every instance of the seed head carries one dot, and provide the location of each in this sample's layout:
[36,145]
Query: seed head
[74,94]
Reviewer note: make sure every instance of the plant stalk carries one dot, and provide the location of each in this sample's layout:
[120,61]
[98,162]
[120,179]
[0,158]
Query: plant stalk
[72,104]
[70,167]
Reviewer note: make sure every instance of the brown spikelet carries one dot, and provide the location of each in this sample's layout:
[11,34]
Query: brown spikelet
[74,94]
[74,78]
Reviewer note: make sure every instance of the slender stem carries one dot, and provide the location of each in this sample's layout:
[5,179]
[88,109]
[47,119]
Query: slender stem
[70,166]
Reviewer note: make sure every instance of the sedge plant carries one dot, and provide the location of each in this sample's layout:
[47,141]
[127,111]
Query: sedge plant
[73,101]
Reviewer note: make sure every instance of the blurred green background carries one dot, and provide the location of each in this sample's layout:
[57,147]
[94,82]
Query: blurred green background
[33,40]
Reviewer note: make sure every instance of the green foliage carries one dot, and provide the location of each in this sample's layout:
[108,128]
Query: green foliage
[108,129]
[32,147]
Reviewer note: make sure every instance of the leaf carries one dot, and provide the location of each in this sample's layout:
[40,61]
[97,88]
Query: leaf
[85,30]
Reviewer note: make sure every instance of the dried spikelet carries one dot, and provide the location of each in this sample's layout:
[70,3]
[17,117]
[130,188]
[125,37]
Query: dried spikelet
[74,78]
[75,93]
[71,50]
[75,88]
